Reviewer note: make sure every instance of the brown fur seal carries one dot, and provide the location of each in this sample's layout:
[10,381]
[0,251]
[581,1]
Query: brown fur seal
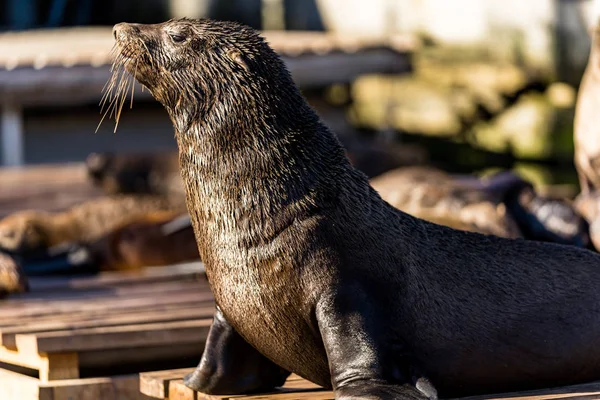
[313,273]
[586,127]
[435,196]
[588,204]
[503,204]
[12,277]
[33,231]
[156,239]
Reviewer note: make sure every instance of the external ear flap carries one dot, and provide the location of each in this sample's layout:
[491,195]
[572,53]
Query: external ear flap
[237,57]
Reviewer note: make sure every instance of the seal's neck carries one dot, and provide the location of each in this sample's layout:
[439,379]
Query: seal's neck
[252,167]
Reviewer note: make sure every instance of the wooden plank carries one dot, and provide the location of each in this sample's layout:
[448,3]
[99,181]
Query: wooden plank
[169,384]
[294,388]
[583,391]
[194,270]
[116,337]
[59,366]
[18,304]
[99,294]
[18,387]
[7,335]
[106,313]
[178,391]
[156,383]
[21,387]
[23,359]
[141,355]
[126,303]
[113,388]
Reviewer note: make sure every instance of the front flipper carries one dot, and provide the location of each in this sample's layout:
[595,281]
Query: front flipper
[365,362]
[229,365]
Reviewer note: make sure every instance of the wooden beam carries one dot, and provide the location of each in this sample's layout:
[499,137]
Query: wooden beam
[117,337]
[191,312]
[12,135]
[124,387]
[169,385]
[156,383]
[176,272]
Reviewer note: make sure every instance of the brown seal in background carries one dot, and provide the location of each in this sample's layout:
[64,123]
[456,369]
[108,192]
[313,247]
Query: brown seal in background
[32,231]
[588,205]
[587,120]
[154,172]
[313,273]
[156,239]
[503,204]
[434,195]
[12,276]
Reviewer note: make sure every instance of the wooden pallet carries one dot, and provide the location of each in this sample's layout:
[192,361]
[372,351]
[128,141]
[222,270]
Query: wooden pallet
[169,385]
[52,337]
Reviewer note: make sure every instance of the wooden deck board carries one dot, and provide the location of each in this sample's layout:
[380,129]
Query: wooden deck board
[127,336]
[20,387]
[190,312]
[124,303]
[193,270]
[169,385]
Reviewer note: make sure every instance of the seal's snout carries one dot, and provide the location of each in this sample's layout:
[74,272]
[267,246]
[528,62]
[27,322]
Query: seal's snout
[118,31]
[121,30]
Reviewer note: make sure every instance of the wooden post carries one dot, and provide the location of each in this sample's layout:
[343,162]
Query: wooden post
[12,135]
[273,15]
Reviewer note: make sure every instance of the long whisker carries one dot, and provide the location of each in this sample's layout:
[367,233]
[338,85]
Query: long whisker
[121,81]
[133,86]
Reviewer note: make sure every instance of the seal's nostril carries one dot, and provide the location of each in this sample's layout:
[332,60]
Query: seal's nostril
[116,29]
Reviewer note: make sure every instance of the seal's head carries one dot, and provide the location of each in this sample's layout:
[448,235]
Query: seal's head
[23,232]
[97,167]
[12,276]
[194,67]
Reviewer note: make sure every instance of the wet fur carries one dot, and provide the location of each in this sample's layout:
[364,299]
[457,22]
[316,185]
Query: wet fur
[311,267]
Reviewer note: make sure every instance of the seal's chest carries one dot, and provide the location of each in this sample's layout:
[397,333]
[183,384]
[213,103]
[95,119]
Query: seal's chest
[271,315]
[252,303]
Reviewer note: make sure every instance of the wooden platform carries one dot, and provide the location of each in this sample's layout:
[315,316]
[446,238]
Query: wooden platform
[88,338]
[169,385]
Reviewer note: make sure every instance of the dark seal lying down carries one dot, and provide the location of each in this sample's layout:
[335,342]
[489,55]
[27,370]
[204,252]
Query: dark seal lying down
[313,273]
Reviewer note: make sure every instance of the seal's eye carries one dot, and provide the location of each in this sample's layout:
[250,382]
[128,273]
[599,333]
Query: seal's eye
[177,37]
